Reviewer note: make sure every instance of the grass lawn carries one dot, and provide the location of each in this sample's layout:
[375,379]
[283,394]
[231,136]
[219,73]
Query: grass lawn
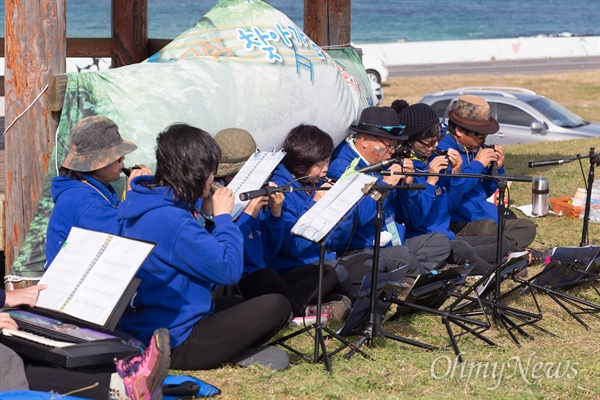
[563,364]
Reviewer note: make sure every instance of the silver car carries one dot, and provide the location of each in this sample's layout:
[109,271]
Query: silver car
[523,115]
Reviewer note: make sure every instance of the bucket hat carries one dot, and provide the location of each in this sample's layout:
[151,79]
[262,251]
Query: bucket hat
[95,143]
[237,145]
[473,113]
[380,121]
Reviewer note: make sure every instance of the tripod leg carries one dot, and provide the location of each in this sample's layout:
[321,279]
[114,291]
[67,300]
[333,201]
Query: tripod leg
[345,344]
[410,342]
[452,339]
[321,342]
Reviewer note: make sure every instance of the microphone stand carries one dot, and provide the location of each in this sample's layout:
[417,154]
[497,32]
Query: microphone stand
[594,161]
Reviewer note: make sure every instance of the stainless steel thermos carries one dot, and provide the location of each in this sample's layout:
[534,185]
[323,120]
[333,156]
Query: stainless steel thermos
[539,196]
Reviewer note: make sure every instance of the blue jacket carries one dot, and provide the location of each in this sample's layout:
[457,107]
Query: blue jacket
[179,274]
[435,200]
[263,237]
[91,205]
[297,251]
[364,214]
[473,205]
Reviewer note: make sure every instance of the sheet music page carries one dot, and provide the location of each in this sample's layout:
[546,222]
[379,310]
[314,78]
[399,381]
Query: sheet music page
[90,273]
[253,176]
[325,214]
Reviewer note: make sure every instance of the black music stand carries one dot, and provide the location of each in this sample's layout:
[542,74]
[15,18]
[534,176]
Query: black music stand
[511,319]
[431,291]
[571,266]
[500,312]
[373,327]
[393,281]
[568,267]
[320,350]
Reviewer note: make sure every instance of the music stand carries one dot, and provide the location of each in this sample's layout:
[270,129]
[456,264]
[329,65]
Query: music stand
[373,327]
[500,312]
[393,280]
[320,349]
[571,266]
[568,267]
[316,225]
[431,291]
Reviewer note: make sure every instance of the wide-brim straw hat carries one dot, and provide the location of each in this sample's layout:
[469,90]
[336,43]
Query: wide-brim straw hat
[380,121]
[95,143]
[473,113]
[237,145]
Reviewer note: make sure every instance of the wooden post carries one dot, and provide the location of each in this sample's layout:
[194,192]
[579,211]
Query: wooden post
[327,22]
[35,49]
[129,44]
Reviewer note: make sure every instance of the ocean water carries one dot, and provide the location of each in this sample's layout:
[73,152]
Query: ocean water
[375,21]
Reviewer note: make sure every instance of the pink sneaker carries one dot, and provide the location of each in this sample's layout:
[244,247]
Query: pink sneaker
[143,375]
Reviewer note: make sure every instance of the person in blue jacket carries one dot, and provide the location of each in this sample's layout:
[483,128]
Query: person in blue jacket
[377,137]
[261,223]
[82,194]
[308,150]
[468,127]
[178,276]
[422,127]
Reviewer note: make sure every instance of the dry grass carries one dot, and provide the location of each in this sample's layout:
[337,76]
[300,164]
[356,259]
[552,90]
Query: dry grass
[563,366]
[579,92]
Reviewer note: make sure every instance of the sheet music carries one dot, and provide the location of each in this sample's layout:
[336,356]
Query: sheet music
[322,217]
[90,273]
[253,176]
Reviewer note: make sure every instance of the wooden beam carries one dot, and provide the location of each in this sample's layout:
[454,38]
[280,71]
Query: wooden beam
[327,22]
[98,47]
[35,49]
[129,43]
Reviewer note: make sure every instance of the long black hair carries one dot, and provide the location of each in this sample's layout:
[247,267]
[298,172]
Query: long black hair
[185,158]
[306,145]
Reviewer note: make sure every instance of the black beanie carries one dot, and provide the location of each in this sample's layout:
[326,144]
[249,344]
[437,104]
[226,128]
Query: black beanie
[417,118]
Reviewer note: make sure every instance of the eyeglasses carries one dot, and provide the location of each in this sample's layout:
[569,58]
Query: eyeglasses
[390,147]
[476,134]
[430,144]
[384,127]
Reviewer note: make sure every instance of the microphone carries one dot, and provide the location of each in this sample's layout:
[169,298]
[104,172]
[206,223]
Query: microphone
[533,164]
[266,191]
[378,166]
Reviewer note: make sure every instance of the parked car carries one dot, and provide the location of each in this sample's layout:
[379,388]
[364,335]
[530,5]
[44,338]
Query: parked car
[376,68]
[378,92]
[523,115]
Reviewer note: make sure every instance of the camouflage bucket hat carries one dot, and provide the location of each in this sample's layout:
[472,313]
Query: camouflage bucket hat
[95,143]
[237,145]
[473,113]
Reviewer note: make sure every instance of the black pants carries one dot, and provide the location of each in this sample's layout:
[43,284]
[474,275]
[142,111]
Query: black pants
[519,232]
[266,281]
[422,254]
[479,251]
[235,326]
